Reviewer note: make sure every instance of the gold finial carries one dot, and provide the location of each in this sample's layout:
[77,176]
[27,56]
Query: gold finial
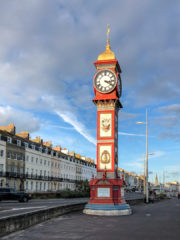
[108,30]
[107,54]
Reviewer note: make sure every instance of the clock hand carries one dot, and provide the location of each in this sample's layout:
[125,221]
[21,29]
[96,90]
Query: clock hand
[108,82]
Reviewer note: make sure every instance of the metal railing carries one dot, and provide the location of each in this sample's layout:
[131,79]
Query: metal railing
[37,177]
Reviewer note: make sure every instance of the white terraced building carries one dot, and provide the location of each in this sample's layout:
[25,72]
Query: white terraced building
[37,170]
[36,166]
[51,169]
[2,162]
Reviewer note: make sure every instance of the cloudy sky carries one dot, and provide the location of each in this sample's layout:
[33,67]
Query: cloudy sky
[47,50]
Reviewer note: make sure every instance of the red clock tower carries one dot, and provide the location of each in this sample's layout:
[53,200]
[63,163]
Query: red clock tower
[107,189]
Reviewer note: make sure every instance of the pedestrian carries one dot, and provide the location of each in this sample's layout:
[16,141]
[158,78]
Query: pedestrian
[151,196]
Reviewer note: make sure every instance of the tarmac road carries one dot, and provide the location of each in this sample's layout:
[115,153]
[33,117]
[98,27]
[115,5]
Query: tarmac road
[158,221]
[11,208]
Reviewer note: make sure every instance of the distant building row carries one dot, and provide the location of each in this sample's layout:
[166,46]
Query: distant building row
[33,165]
[132,181]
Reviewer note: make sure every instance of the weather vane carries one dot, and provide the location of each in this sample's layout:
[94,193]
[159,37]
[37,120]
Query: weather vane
[108,30]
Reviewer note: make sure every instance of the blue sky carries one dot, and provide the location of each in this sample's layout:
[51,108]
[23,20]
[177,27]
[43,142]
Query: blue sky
[47,50]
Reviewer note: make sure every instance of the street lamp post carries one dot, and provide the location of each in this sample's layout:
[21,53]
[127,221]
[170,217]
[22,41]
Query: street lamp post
[146,178]
[147,190]
[145,171]
[144,175]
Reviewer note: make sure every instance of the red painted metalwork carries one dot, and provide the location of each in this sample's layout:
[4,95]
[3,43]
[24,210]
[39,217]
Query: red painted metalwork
[113,185]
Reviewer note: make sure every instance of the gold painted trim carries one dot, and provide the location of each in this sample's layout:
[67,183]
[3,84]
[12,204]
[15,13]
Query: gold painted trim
[100,163]
[106,141]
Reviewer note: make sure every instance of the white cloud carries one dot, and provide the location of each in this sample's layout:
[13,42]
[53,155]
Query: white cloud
[170,135]
[137,165]
[173,168]
[23,120]
[131,134]
[173,108]
[61,127]
[47,47]
[157,154]
[78,126]
[126,116]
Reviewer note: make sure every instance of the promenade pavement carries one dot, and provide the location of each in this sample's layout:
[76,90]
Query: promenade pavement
[157,221]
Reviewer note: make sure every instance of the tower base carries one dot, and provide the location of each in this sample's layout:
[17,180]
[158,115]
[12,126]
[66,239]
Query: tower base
[107,210]
[107,198]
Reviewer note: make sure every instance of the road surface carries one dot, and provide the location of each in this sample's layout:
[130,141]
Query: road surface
[157,221]
[11,208]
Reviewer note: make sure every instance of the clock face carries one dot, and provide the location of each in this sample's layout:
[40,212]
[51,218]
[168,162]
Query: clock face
[105,81]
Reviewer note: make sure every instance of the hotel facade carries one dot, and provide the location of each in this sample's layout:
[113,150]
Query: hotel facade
[36,166]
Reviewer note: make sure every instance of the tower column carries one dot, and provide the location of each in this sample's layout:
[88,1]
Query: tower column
[107,189]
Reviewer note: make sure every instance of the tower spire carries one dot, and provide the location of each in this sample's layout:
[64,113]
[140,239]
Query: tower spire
[108,31]
[107,54]
[156,180]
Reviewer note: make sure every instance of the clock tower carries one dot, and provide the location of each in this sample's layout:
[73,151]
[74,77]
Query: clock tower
[107,189]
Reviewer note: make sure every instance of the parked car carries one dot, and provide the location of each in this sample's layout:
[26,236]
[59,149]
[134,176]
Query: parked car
[178,195]
[11,194]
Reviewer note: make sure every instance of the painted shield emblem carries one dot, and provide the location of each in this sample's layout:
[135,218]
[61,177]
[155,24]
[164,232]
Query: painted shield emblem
[106,124]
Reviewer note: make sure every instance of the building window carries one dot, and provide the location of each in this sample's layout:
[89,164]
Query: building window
[31,186]
[44,186]
[32,159]
[21,156]
[36,186]
[26,145]
[40,172]
[15,184]
[36,160]
[45,173]
[15,171]
[1,168]
[27,186]
[27,158]
[33,146]
[1,153]
[40,161]
[21,171]
[9,154]
[19,143]
[9,139]
[15,156]
[44,162]
[40,148]
[40,187]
